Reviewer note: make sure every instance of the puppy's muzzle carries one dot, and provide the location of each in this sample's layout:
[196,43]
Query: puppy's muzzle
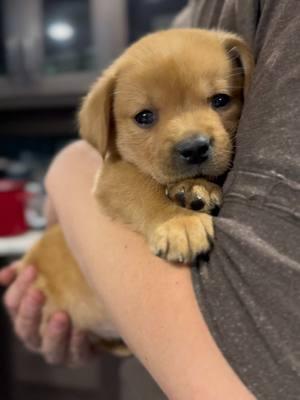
[193,150]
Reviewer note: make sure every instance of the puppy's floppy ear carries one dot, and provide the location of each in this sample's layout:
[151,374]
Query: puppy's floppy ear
[240,55]
[96,113]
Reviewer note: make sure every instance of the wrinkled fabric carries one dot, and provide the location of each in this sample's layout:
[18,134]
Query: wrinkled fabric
[249,290]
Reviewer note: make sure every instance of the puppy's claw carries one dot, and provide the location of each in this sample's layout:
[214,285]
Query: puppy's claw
[159,253]
[215,211]
[202,257]
[180,198]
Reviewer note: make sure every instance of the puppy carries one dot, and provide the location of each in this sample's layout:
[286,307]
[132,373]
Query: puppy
[163,116]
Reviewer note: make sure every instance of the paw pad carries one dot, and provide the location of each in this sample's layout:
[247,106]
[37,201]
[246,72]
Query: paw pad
[197,204]
[196,195]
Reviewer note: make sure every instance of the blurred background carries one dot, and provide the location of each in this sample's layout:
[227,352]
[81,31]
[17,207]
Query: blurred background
[50,53]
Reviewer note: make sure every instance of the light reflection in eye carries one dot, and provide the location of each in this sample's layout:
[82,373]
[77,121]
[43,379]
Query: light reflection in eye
[61,31]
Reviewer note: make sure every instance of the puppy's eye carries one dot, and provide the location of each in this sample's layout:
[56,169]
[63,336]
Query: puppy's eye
[220,100]
[145,118]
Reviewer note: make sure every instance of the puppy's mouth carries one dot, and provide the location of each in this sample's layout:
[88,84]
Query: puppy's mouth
[197,158]
[179,170]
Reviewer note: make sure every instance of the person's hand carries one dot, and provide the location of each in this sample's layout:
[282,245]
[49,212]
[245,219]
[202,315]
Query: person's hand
[60,344]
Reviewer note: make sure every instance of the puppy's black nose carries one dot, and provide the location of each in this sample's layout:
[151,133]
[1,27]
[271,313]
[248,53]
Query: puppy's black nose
[194,150]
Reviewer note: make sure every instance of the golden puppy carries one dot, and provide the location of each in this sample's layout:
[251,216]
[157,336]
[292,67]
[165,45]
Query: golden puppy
[163,116]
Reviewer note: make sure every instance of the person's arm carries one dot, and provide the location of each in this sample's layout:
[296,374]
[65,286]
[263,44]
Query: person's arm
[152,303]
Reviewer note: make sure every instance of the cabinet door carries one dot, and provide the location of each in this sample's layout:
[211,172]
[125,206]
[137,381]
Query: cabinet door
[3,65]
[79,39]
[11,65]
[55,49]
[151,15]
[67,36]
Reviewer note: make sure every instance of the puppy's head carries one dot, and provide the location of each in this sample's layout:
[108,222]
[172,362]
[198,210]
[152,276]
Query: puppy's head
[171,103]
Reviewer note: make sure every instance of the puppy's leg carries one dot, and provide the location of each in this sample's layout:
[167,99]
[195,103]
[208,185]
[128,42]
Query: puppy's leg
[173,232]
[61,280]
[196,194]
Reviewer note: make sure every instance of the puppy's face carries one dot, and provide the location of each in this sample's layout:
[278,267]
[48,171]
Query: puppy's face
[172,103]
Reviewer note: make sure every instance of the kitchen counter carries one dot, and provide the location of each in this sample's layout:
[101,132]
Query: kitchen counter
[18,245]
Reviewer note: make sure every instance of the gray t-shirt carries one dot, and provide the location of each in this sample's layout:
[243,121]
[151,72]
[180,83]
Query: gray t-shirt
[249,290]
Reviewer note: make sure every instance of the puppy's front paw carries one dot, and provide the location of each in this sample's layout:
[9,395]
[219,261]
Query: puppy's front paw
[182,238]
[197,195]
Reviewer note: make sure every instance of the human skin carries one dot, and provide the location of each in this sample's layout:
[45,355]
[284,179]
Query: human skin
[151,302]
[61,343]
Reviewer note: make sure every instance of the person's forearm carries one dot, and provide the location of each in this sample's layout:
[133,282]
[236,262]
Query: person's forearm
[151,302]
[49,212]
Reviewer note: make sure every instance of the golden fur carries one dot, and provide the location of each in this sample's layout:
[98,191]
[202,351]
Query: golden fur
[175,73]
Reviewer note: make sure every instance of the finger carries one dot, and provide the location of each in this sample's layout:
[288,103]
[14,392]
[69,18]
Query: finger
[28,319]
[17,290]
[56,338]
[81,351]
[7,275]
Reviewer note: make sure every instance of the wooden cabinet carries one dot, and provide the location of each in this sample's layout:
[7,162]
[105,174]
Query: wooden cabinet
[52,50]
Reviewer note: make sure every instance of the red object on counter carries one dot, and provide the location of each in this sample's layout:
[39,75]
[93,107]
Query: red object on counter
[12,207]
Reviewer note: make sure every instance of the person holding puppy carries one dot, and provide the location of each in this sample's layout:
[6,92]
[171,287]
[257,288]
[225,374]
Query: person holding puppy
[245,334]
